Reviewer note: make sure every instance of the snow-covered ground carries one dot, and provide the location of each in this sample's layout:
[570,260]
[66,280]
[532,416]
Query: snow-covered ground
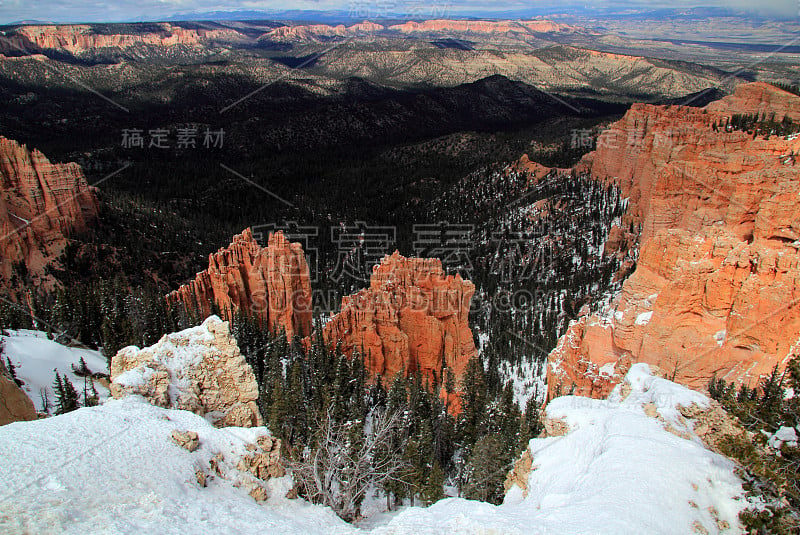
[617,471]
[114,469]
[36,358]
[528,379]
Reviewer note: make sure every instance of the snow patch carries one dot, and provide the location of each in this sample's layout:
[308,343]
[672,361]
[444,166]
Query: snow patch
[36,358]
[644,318]
[115,469]
[784,435]
[719,336]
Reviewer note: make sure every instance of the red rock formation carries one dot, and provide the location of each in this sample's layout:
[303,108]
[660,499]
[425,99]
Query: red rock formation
[271,283]
[41,204]
[412,318]
[78,38]
[534,170]
[717,286]
[480,26]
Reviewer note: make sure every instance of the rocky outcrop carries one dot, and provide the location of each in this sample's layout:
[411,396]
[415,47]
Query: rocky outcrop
[248,470]
[198,369]
[412,318]
[518,476]
[41,205]
[716,289]
[269,283]
[264,459]
[15,405]
[323,32]
[480,26]
[187,440]
[78,39]
[319,32]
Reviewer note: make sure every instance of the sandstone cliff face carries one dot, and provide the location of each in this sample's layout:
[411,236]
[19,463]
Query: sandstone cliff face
[480,26]
[41,204]
[680,173]
[80,38]
[412,318]
[717,286]
[270,283]
[199,369]
[317,32]
[15,405]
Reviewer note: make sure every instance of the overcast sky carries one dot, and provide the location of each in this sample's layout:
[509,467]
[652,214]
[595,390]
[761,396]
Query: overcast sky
[97,11]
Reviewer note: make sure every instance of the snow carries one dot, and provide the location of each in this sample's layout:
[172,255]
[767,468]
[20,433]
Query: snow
[114,469]
[644,318]
[607,369]
[719,336]
[784,435]
[35,358]
[618,471]
[528,378]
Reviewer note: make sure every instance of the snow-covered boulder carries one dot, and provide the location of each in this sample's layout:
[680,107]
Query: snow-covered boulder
[198,369]
[784,435]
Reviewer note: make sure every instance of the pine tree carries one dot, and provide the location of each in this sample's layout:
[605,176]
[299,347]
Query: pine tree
[433,491]
[416,475]
[66,395]
[473,403]
[277,411]
[531,421]
[82,369]
[12,370]
[58,388]
[70,400]
[90,397]
[487,468]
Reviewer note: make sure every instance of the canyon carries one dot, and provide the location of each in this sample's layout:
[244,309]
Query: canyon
[41,205]
[716,286]
[268,283]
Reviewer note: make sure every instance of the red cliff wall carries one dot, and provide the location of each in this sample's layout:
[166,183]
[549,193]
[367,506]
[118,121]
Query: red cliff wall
[717,286]
[41,204]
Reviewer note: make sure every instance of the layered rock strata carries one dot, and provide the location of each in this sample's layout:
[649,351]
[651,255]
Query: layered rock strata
[41,205]
[716,289]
